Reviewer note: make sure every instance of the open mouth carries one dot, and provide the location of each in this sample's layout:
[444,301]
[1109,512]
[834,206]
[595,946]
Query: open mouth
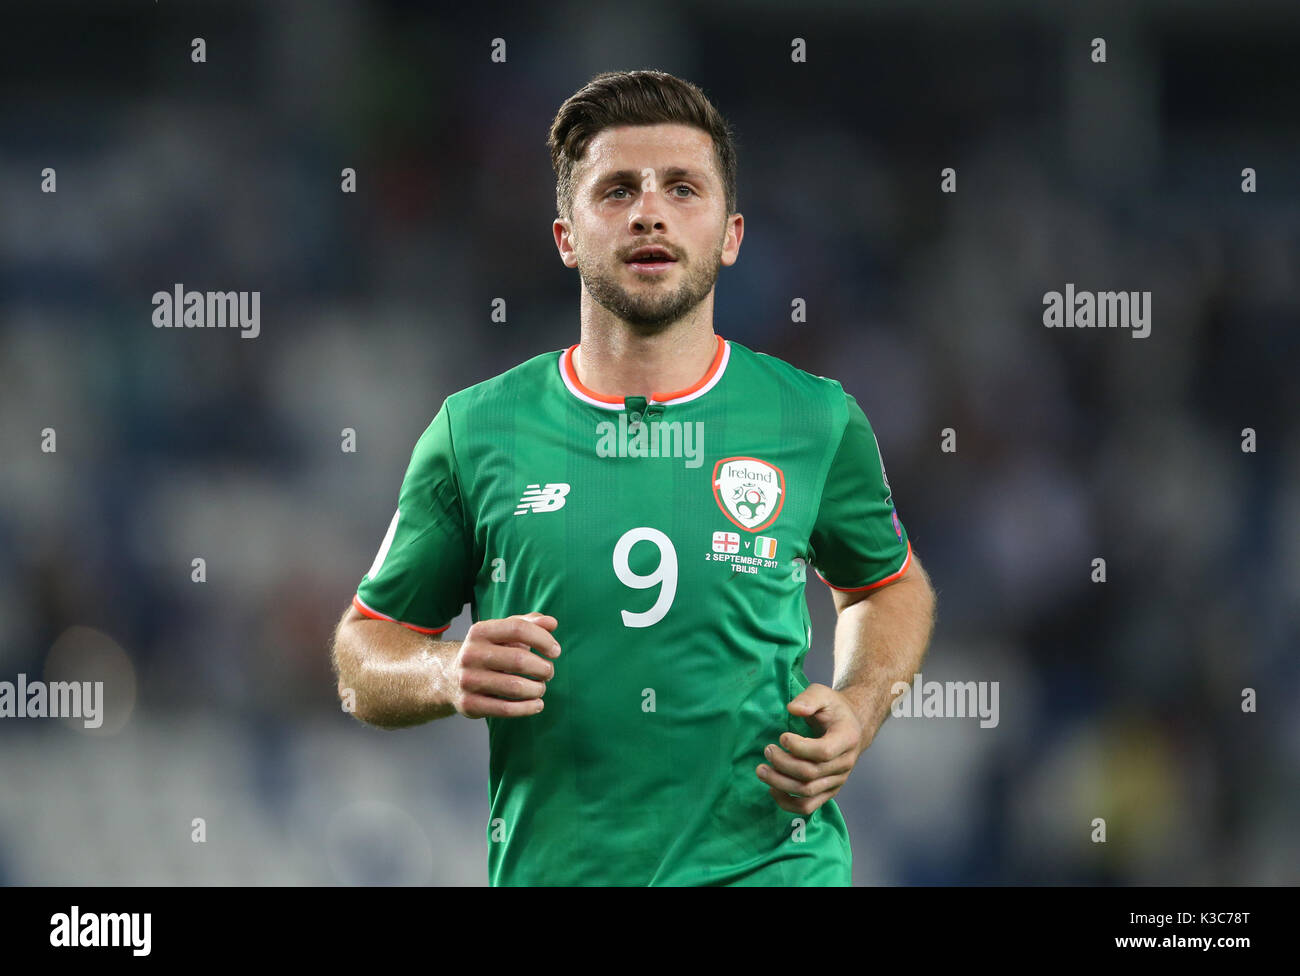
[651,259]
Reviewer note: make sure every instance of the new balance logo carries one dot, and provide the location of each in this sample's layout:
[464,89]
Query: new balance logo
[537,498]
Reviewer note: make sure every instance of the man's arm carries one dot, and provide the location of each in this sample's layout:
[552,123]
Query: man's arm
[880,638]
[389,675]
[881,632]
[393,677]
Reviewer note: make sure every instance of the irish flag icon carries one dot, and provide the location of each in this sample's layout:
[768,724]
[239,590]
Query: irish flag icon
[765,547]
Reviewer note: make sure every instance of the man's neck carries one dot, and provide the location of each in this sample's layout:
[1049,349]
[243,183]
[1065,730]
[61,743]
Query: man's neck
[621,363]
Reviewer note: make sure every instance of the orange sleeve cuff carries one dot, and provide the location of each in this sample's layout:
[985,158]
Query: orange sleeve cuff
[907,561]
[376,615]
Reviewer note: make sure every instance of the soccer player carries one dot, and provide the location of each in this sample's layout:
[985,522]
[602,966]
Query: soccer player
[647,500]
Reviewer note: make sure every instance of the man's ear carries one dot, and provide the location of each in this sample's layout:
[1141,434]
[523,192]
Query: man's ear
[563,231]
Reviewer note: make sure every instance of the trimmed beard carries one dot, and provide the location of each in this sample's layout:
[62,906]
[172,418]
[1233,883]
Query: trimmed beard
[655,308]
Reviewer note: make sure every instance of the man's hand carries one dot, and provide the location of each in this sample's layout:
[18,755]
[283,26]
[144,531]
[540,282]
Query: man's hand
[496,672]
[814,769]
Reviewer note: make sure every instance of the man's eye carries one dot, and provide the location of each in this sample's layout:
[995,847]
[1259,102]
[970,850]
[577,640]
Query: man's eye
[680,186]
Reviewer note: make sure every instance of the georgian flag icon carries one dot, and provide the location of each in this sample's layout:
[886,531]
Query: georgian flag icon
[726,542]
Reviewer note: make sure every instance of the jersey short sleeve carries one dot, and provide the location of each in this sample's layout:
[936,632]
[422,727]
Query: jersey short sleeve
[421,576]
[858,542]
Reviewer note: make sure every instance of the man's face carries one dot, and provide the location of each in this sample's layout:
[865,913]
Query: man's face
[649,186]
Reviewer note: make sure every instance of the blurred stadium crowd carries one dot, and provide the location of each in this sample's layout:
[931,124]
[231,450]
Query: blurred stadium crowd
[1119,700]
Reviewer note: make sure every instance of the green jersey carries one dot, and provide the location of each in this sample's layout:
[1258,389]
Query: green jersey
[669,536]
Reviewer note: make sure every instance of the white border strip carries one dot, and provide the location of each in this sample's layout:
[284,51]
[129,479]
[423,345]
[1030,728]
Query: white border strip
[564,375]
[722,368]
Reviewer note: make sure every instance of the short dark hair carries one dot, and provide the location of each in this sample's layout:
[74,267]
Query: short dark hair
[616,98]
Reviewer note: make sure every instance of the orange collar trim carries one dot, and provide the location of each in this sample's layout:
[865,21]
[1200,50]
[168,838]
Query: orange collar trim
[697,389]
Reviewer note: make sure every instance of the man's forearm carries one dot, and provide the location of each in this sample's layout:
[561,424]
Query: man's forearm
[880,640]
[391,676]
